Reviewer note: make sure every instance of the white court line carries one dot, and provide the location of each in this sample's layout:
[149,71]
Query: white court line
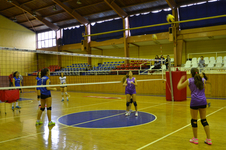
[55,110]
[64,127]
[176,131]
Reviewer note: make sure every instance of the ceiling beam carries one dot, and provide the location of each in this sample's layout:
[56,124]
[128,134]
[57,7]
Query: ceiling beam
[146,10]
[71,12]
[45,16]
[6,9]
[59,11]
[134,44]
[97,48]
[36,26]
[113,16]
[116,8]
[38,9]
[44,21]
[20,4]
[171,3]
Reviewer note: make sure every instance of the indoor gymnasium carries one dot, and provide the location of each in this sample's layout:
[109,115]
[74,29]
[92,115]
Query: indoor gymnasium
[112,74]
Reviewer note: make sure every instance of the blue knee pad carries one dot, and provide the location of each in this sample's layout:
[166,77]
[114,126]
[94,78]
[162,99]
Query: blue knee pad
[42,109]
[135,103]
[49,108]
[127,104]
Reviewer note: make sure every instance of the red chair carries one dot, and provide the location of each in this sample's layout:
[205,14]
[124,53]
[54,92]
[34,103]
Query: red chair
[131,67]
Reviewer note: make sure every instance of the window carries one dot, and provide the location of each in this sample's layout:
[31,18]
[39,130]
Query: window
[46,39]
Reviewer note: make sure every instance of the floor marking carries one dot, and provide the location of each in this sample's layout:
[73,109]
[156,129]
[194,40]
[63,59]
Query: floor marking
[59,128]
[57,110]
[176,131]
[103,117]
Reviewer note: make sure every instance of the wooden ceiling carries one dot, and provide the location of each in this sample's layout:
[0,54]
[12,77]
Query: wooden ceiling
[44,15]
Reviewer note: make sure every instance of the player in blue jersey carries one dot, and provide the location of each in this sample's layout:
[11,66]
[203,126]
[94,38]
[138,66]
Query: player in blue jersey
[16,83]
[45,97]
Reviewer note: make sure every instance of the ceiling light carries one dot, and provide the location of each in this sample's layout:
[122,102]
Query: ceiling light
[54,8]
[14,19]
[79,2]
[34,14]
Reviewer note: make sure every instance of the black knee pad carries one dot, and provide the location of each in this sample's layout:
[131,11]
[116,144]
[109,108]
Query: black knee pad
[131,100]
[127,104]
[39,96]
[49,108]
[204,122]
[194,123]
[42,109]
[135,103]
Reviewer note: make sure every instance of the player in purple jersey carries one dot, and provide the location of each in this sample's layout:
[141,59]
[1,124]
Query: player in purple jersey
[131,98]
[131,84]
[198,103]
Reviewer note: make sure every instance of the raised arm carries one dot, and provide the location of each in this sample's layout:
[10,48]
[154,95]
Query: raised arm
[182,84]
[125,84]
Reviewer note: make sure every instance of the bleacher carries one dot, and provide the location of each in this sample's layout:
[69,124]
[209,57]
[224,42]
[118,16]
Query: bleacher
[52,68]
[111,68]
[210,63]
[84,69]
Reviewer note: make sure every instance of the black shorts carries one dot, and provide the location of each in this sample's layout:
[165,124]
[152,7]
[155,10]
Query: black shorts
[63,86]
[45,96]
[197,107]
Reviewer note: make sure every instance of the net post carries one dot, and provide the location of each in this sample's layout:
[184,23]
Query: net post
[170,76]
[162,67]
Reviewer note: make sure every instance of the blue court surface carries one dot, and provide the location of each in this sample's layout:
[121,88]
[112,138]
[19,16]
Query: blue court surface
[105,119]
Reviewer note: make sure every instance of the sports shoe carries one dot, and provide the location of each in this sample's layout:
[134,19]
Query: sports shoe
[39,105]
[208,141]
[67,99]
[127,113]
[62,100]
[136,114]
[51,123]
[194,140]
[18,107]
[131,110]
[209,104]
[12,107]
[38,123]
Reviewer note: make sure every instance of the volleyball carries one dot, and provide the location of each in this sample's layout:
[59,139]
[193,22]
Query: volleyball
[170,18]
[154,37]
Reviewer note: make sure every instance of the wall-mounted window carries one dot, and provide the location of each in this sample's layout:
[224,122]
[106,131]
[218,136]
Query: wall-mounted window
[46,39]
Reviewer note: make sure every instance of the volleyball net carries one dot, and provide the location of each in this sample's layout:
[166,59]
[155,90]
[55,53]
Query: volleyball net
[84,72]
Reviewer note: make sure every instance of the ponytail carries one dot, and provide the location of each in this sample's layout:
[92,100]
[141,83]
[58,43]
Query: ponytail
[124,78]
[204,76]
[14,74]
[44,72]
[198,82]
[197,77]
